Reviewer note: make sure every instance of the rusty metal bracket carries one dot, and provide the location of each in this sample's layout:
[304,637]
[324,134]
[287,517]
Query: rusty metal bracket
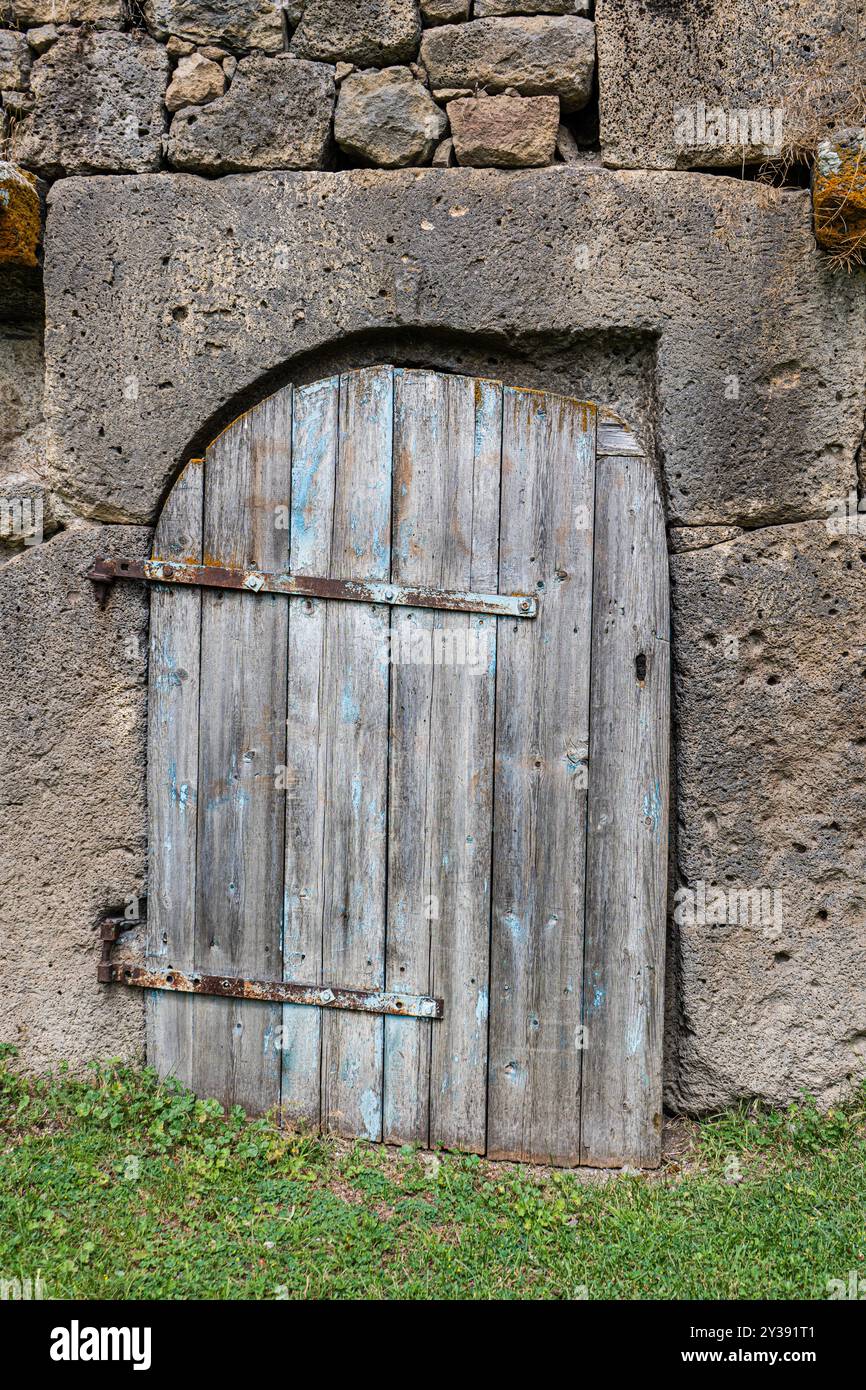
[366,1001]
[108,933]
[105,571]
[102,576]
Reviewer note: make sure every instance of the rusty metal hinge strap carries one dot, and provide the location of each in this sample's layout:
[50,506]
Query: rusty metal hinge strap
[368,1001]
[105,572]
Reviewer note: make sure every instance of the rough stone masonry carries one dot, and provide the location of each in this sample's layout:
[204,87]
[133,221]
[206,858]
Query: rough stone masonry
[203,199]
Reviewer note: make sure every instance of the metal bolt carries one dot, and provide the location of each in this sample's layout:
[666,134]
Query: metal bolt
[524,605]
[167,571]
[389,595]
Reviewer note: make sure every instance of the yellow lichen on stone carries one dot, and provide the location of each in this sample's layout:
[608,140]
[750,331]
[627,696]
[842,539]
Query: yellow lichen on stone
[20,216]
[839,197]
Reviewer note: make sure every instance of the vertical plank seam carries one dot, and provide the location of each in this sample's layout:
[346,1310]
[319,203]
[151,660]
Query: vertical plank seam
[427,781]
[288,563]
[238,441]
[428,772]
[323,667]
[581,1152]
[199,798]
[200,605]
[495,715]
[544,494]
[387,872]
[449,1003]
[320,886]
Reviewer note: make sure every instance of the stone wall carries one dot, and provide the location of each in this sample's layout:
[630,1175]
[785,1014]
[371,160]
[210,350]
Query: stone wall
[236,195]
[246,84]
[227,86]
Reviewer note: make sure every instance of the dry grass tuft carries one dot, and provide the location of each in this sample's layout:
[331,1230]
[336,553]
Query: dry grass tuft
[825,117]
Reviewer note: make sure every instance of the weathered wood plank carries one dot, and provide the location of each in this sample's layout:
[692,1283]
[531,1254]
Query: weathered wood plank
[354,721]
[314,461]
[446,519]
[172,776]
[614,436]
[628,821]
[241,810]
[542,732]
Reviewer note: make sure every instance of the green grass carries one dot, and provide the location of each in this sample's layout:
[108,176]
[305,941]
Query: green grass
[120,1186]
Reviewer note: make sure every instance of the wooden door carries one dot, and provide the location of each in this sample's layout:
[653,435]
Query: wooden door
[386,796]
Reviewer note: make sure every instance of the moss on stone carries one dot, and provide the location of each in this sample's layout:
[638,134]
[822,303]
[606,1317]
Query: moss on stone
[20,216]
[839,197]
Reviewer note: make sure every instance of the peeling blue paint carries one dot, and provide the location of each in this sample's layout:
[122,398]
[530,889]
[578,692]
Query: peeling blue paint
[652,807]
[405,532]
[481,1006]
[350,707]
[349,1070]
[312,454]
[381,553]
[232,792]
[371,1114]
[512,923]
[181,794]
[169,676]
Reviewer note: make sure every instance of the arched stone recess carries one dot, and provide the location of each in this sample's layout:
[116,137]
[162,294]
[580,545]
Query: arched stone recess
[618,368]
[412,752]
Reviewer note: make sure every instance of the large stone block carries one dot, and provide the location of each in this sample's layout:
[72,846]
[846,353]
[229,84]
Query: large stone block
[72,788]
[444,11]
[26,515]
[97,105]
[701,83]
[758,348]
[770,722]
[483,9]
[504,132]
[275,115]
[536,56]
[369,33]
[42,37]
[388,118]
[14,61]
[241,24]
[21,374]
[102,14]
